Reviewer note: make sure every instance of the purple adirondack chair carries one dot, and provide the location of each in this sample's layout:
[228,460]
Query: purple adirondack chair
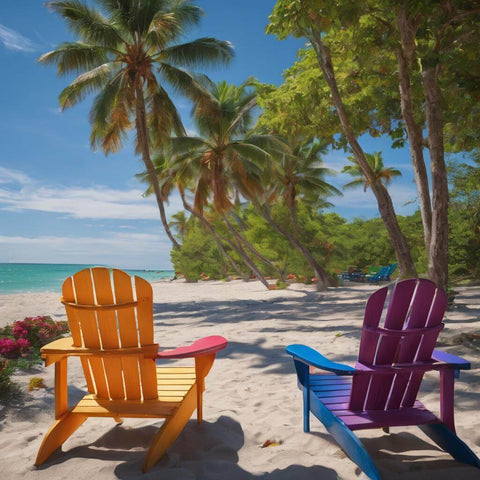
[381,391]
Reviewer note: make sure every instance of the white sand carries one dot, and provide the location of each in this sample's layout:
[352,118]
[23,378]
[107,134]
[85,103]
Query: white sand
[251,393]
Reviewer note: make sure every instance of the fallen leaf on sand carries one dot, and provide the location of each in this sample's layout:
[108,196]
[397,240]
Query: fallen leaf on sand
[271,443]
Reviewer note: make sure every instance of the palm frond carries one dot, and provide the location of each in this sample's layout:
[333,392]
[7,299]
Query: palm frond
[186,13]
[164,27]
[250,152]
[89,24]
[84,84]
[163,117]
[200,52]
[354,184]
[270,143]
[185,145]
[110,113]
[238,120]
[190,85]
[75,57]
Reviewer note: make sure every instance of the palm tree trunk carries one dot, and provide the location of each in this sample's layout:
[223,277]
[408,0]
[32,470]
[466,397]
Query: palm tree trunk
[407,27]
[438,254]
[324,280]
[236,245]
[144,142]
[210,228]
[384,201]
[247,244]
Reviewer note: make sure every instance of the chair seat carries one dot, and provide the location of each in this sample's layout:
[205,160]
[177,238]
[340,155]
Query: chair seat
[173,385]
[334,392]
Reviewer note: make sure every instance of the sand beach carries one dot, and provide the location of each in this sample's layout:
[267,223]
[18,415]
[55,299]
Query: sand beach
[251,395]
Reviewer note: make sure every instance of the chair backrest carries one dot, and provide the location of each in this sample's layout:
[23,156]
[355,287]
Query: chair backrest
[391,268]
[113,315]
[382,272]
[407,336]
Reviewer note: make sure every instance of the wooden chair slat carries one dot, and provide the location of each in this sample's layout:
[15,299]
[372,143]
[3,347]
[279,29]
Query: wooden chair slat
[127,323]
[99,378]
[148,376]
[132,378]
[73,323]
[420,308]
[387,350]
[144,311]
[426,345]
[107,326]
[84,294]
[368,346]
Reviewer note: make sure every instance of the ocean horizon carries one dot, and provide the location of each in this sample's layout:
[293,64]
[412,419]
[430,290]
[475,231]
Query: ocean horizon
[48,277]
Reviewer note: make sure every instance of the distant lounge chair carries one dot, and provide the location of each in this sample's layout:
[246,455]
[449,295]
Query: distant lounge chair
[352,275]
[383,275]
[112,332]
[381,390]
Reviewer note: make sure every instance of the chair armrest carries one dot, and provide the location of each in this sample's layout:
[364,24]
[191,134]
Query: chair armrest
[204,346]
[451,361]
[312,357]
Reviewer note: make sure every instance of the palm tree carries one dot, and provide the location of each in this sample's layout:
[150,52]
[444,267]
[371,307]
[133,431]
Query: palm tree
[127,54]
[302,174]
[294,175]
[380,172]
[179,223]
[224,158]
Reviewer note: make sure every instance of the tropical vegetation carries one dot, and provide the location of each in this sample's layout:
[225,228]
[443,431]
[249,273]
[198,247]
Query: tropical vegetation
[20,344]
[251,179]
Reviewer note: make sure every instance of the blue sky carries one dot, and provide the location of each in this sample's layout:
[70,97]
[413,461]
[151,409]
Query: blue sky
[62,203]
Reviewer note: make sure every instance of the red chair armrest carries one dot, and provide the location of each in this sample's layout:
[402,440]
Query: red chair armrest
[204,346]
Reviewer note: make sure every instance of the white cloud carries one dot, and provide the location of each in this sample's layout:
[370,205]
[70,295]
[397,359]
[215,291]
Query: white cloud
[117,249]
[365,201]
[96,202]
[13,176]
[13,40]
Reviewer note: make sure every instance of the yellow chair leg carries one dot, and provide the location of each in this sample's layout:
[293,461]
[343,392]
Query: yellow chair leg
[58,433]
[170,430]
[202,367]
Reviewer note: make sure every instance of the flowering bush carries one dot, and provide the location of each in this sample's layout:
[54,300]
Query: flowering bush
[28,335]
[13,348]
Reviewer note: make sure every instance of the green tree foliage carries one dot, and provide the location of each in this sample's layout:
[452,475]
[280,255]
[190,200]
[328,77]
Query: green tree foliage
[198,254]
[464,214]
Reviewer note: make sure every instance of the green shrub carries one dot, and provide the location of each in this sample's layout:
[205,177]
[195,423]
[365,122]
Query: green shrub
[6,370]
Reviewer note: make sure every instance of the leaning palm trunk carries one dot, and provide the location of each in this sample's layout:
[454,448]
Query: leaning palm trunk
[324,280]
[236,245]
[210,228]
[407,27]
[247,244]
[384,201]
[143,141]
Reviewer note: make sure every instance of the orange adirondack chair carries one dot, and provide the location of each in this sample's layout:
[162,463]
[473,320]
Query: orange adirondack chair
[111,322]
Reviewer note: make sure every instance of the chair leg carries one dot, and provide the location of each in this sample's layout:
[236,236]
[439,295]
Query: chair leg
[58,434]
[171,429]
[448,441]
[349,442]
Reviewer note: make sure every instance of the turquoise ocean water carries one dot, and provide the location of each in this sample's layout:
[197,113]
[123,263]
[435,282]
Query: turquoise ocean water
[48,277]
